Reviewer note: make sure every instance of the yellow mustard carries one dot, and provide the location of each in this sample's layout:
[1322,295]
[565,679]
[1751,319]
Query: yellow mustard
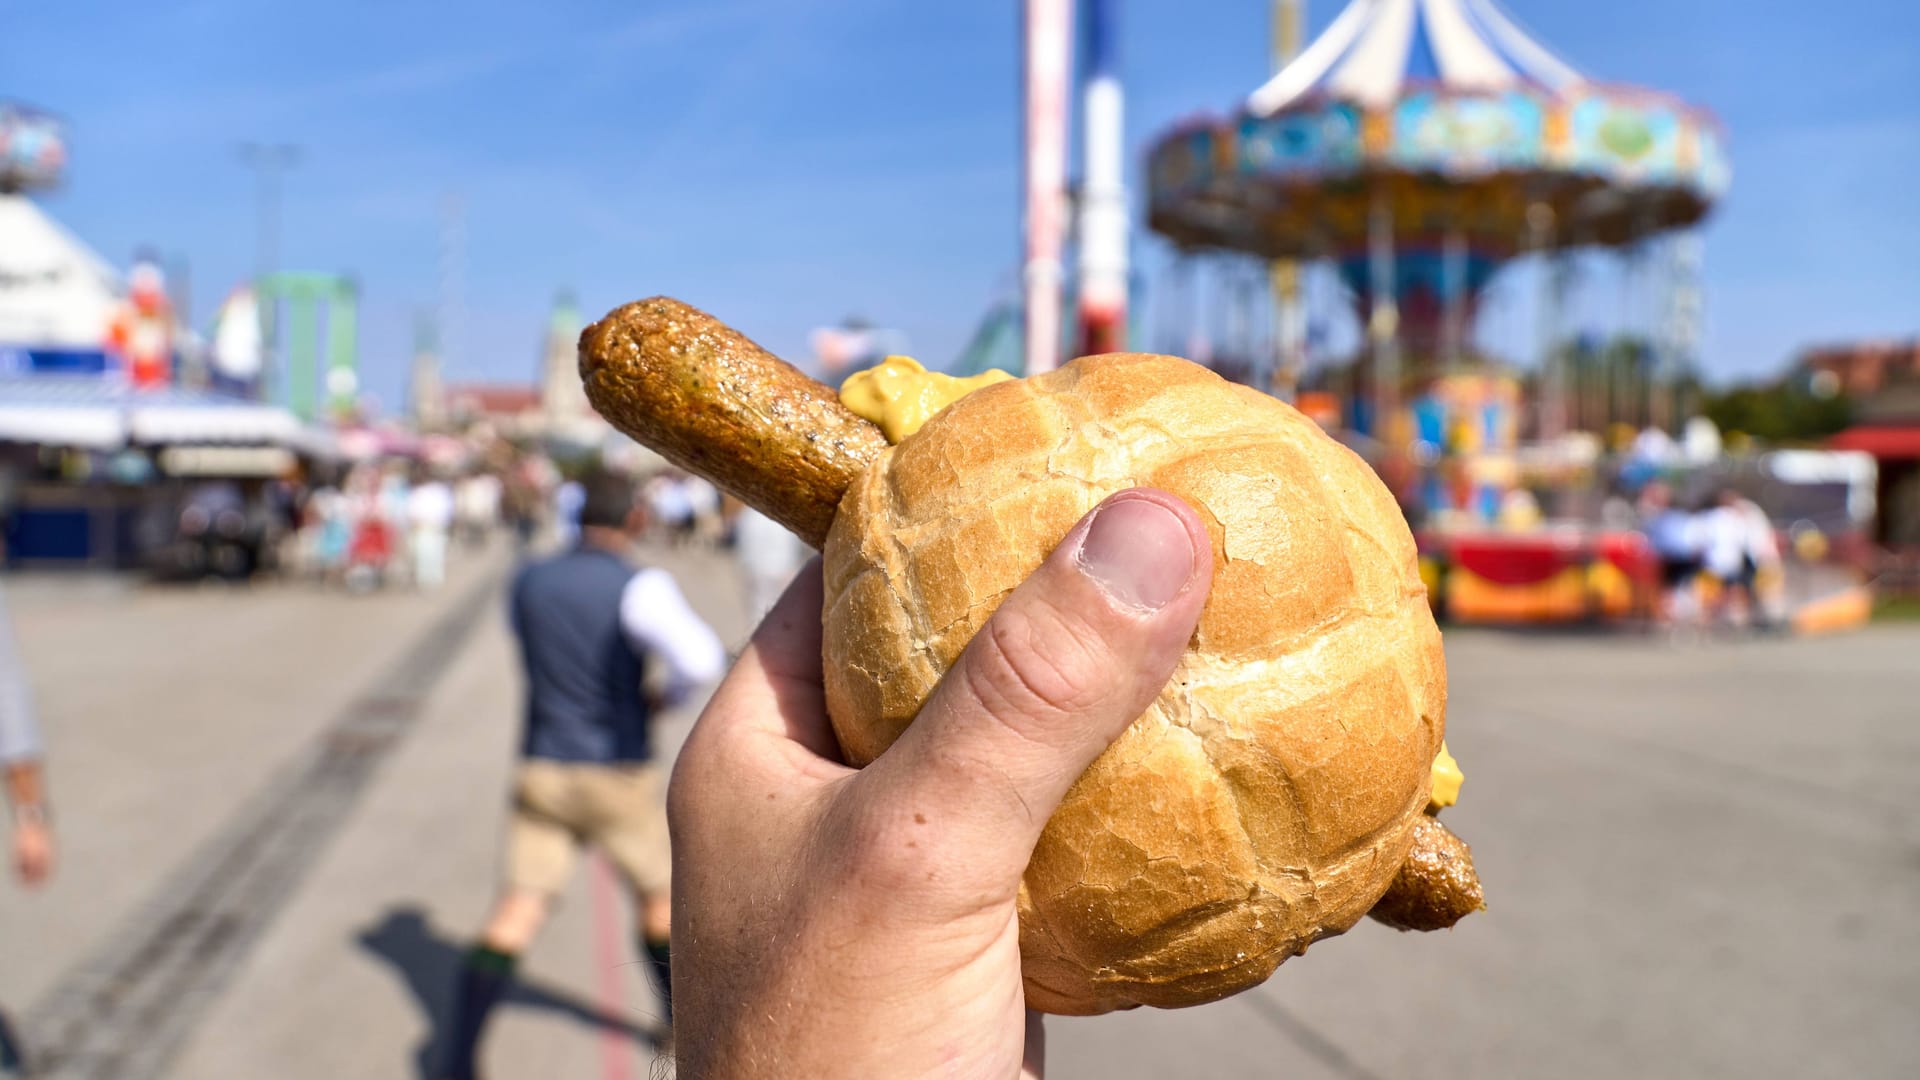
[1447,779]
[900,395]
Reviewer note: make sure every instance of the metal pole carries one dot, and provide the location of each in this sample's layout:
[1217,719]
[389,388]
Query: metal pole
[1686,313]
[343,322]
[1177,336]
[303,347]
[1103,200]
[1290,324]
[1383,323]
[1553,403]
[1454,267]
[269,162]
[1047,46]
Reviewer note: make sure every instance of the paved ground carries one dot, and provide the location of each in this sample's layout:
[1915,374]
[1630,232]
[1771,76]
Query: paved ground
[1701,862]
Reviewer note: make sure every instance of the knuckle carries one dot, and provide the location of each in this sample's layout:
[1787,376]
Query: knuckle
[1032,665]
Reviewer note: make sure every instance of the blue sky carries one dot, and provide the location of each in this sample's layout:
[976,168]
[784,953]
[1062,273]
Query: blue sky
[786,162]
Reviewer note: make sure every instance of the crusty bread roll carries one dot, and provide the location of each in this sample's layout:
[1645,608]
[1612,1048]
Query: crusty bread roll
[1269,795]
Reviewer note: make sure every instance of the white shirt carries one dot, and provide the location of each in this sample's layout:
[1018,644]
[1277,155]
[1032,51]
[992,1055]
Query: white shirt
[1723,541]
[657,619]
[765,547]
[430,506]
[19,732]
[479,497]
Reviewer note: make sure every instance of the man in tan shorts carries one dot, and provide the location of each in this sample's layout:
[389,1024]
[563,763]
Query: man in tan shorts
[589,626]
[559,806]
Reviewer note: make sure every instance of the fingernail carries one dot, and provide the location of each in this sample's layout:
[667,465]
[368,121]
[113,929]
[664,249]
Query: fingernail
[1137,551]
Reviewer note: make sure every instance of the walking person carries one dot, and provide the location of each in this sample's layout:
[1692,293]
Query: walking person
[1675,537]
[429,521]
[589,625]
[770,555]
[478,500]
[31,847]
[1738,544]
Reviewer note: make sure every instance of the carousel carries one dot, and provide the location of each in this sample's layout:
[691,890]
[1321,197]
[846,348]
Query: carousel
[1415,148]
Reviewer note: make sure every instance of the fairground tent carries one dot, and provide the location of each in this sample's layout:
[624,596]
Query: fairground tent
[57,383]
[57,296]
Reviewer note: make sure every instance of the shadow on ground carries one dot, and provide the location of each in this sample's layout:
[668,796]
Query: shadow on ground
[12,1059]
[430,962]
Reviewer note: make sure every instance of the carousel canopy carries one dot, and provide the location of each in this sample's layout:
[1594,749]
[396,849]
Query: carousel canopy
[1377,49]
[1447,117]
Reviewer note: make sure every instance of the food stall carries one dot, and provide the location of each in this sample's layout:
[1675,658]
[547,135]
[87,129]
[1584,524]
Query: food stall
[95,471]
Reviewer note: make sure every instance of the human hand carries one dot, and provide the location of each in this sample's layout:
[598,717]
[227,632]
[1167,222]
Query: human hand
[834,922]
[32,852]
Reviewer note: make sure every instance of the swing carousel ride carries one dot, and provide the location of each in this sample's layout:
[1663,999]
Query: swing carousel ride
[1418,146]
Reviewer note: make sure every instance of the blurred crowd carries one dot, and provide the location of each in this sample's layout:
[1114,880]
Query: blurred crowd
[392,524]
[1720,561]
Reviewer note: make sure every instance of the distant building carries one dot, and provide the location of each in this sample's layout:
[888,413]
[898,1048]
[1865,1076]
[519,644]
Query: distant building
[1866,367]
[1887,426]
[563,398]
[511,410]
[552,410]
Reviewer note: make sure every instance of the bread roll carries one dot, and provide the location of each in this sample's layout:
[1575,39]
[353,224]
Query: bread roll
[1267,797]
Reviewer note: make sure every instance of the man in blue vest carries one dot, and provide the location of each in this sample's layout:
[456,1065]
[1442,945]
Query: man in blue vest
[589,626]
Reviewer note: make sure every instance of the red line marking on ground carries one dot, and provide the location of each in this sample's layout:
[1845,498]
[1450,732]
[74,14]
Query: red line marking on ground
[609,952]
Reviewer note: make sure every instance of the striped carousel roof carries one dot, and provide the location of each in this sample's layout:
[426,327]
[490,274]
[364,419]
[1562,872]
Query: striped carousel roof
[1375,48]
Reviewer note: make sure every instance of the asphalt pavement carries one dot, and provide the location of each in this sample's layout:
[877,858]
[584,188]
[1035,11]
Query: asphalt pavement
[280,812]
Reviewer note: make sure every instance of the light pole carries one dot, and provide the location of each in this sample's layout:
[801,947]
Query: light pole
[269,162]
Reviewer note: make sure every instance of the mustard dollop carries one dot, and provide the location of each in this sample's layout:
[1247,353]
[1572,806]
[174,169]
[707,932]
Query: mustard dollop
[899,395]
[1447,779]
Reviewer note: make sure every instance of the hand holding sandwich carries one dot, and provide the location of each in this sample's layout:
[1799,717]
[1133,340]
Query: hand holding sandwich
[863,923]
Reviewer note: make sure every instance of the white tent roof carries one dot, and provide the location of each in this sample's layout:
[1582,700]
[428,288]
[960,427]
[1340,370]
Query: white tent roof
[55,292]
[1374,48]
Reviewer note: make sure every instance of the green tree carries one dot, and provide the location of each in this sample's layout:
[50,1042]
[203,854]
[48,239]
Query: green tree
[1779,412]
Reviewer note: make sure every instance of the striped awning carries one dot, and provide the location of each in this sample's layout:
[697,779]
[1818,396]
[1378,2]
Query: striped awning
[1376,48]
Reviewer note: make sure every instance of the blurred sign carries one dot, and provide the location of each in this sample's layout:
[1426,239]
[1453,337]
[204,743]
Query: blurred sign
[237,348]
[840,350]
[33,150]
[226,461]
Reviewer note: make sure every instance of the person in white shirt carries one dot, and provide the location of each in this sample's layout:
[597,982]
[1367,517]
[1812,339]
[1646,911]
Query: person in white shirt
[21,765]
[589,625]
[478,499]
[770,555]
[1736,543]
[429,521]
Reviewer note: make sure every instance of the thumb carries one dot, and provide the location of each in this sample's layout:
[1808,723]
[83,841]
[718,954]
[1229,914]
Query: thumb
[1068,661]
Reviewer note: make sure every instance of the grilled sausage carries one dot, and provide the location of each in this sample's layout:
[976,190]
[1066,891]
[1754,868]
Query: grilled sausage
[714,403]
[1436,887]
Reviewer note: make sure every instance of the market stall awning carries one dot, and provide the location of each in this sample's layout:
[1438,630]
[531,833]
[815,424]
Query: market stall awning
[1885,442]
[209,422]
[90,428]
[101,413]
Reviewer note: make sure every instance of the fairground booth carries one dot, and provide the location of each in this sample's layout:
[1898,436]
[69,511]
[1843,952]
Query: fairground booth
[101,441]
